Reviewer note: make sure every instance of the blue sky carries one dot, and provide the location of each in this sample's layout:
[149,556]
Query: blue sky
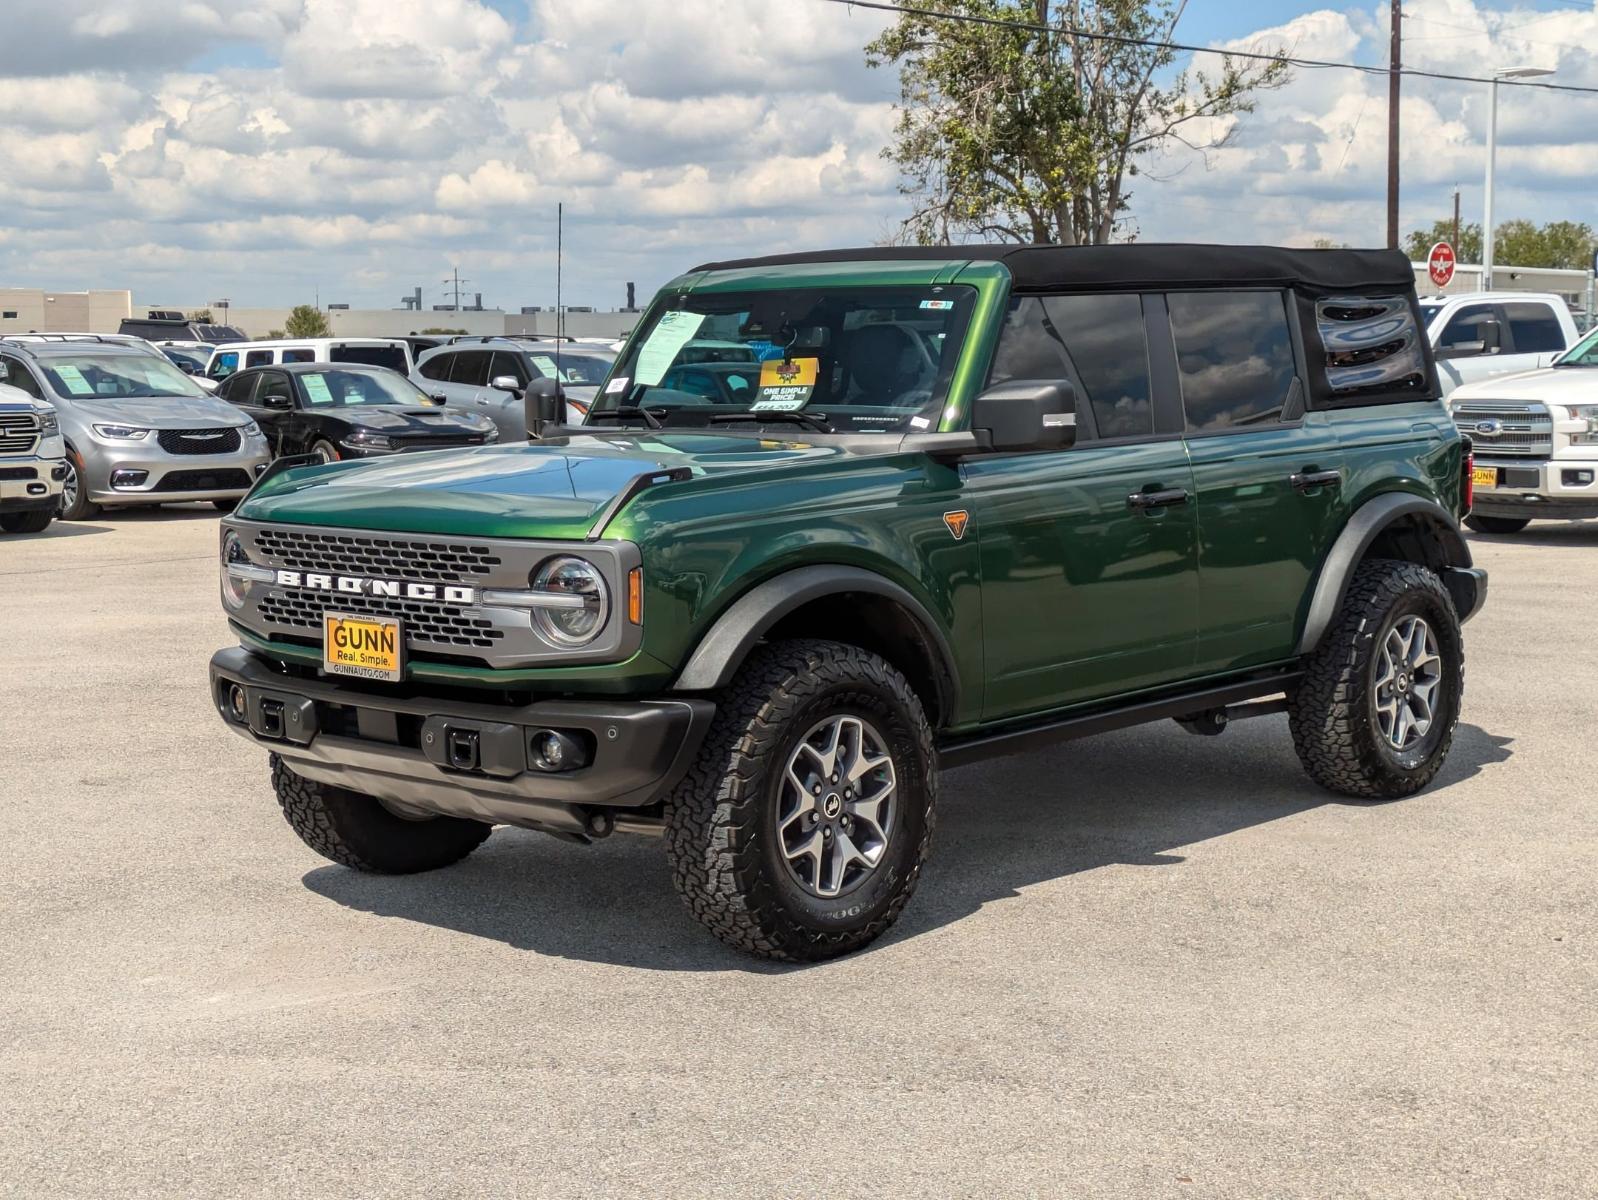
[267,149]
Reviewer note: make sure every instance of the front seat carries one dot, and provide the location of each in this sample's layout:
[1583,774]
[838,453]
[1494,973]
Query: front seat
[883,363]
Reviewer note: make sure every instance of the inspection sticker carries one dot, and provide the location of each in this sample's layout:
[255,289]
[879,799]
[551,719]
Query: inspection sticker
[617,385]
[938,305]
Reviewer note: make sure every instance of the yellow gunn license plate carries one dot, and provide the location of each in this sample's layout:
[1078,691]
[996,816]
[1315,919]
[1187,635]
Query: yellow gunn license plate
[1484,476]
[366,647]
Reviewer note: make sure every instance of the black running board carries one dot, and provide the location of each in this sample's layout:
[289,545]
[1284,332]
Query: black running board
[957,752]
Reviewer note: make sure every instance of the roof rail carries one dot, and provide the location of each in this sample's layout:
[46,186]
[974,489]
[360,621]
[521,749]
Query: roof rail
[110,339]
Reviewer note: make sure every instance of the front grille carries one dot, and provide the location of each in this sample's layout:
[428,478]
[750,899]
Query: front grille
[198,441]
[420,559]
[19,433]
[203,481]
[1498,428]
[436,624]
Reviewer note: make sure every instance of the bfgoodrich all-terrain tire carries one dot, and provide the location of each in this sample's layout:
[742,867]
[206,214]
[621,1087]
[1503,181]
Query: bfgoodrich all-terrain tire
[1375,714]
[355,830]
[1502,525]
[800,832]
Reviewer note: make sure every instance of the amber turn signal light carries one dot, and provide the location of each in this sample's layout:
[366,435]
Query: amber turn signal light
[635,595]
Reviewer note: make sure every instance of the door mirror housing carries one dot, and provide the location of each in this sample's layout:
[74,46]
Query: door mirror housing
[5,372]
[438,397]
[278,402]
[1026,414]
[506,383]
[545,406]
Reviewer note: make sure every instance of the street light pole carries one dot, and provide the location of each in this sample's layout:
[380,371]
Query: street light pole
[1492,155]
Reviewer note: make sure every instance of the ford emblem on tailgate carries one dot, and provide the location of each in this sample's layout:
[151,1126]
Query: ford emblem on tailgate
[1489,428]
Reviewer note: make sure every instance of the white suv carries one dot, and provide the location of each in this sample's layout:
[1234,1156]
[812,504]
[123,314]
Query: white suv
[1536,440]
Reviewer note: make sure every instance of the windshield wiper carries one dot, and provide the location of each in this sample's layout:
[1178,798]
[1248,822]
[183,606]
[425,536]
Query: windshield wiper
[628,411]
[796,416]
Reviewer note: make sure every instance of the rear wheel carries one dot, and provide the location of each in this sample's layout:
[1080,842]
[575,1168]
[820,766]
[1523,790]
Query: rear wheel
[357,831]
[1375,714]
[800,832]
[75,502]
[1504,525]
[35,521]
[325,450]
[226,505]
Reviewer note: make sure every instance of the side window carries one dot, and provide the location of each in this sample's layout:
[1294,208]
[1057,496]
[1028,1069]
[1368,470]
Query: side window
[236,389]
[299,354]
[1534,328]
[258,358]
[273,385]
[471,368]
[223,364]
[22,378]
[1099,343]
[1234,354]
[1465,326]
[1373,346]
[508,364]
[437,367]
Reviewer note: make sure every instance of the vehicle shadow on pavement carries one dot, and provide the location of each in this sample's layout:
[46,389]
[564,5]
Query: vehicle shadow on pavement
[1133,798]
[57,529]
[1543,533]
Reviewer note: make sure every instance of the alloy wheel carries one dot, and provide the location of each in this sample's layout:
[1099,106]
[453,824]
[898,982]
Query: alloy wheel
[835,806]
[69,486]
[1409,676]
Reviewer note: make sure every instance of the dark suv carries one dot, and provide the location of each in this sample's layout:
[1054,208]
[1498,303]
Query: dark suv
[967,501]
[160,325]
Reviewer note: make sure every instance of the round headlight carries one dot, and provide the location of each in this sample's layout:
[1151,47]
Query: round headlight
[234,589]
[579,601]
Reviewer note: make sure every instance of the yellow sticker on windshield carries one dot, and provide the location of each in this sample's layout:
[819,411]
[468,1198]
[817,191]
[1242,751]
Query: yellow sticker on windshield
[787,383]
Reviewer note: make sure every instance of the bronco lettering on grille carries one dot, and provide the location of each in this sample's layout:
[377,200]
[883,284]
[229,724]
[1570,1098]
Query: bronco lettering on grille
[355,585]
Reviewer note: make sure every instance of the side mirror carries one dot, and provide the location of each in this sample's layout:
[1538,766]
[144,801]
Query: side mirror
[506,383]
[438,397]
[1492,336]
[279,402]
[5,372]
[545,405]
[1026,414]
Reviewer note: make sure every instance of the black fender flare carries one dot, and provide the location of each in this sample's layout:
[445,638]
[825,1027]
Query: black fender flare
[1363,528]
[722,650]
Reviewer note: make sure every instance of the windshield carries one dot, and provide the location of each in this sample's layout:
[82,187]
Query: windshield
[1583,354]
[581,370]
[193,358]
[852,359]
[116,375]
[347,389]
[1428,312]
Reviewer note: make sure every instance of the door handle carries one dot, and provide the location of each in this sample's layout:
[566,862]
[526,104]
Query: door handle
[1305,481]
[1170,498]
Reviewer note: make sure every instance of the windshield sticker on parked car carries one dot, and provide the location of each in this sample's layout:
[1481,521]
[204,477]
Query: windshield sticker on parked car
[316,389]
[787,384]
[938,305]
[670,334]
[74,380]
[617,385]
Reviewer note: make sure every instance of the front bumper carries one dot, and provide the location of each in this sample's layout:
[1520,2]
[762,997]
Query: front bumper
[30,484]
[410,750]
[169,478]
[1540,489]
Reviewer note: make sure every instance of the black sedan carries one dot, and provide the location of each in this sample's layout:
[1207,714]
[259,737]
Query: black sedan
[343,410]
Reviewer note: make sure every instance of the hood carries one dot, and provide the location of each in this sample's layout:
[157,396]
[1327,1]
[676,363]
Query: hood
[1550,385]
[156,412]
[14,398]
[554,489]
[402,420]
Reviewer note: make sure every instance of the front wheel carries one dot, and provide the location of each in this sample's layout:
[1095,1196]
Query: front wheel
[75,502]
[226,506]
[1375,714]
[1500,525]
[325,450]
[356,830]
[34,521]
[800,832]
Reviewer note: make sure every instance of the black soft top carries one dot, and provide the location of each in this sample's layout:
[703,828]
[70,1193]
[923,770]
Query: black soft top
[1140,265]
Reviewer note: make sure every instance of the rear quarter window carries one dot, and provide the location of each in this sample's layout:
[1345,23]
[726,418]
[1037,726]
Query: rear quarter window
[258,358]
[1373,346]
[392,357]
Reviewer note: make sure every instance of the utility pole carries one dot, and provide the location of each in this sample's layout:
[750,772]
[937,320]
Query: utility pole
[1455,242]
[1395,65]
[454,282]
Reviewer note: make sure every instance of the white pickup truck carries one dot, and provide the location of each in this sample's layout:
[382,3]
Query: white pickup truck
[1482,334]
[32,462]
[1536,442]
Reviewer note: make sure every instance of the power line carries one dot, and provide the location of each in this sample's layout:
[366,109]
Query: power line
[1153,43]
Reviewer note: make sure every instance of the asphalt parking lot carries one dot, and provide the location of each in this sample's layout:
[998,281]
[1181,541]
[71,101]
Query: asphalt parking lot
[1146,965]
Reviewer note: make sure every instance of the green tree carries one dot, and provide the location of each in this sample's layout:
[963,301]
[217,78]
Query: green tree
[306,321]
[1467,250]
[439,331]
[202,315]
[1561,244]
[1030,136]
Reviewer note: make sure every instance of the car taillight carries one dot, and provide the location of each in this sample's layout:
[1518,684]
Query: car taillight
[1467,489]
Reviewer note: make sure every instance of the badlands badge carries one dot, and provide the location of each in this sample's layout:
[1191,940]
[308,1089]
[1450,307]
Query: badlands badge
[957,521]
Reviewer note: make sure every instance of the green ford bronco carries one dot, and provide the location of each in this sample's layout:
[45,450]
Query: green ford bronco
[919,507]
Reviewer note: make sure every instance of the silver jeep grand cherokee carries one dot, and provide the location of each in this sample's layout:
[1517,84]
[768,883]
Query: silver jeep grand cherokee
[137,430]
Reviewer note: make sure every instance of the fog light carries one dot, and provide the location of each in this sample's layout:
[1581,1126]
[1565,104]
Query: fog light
[554,751]
[128,479]
[235,701]
[1576,478]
